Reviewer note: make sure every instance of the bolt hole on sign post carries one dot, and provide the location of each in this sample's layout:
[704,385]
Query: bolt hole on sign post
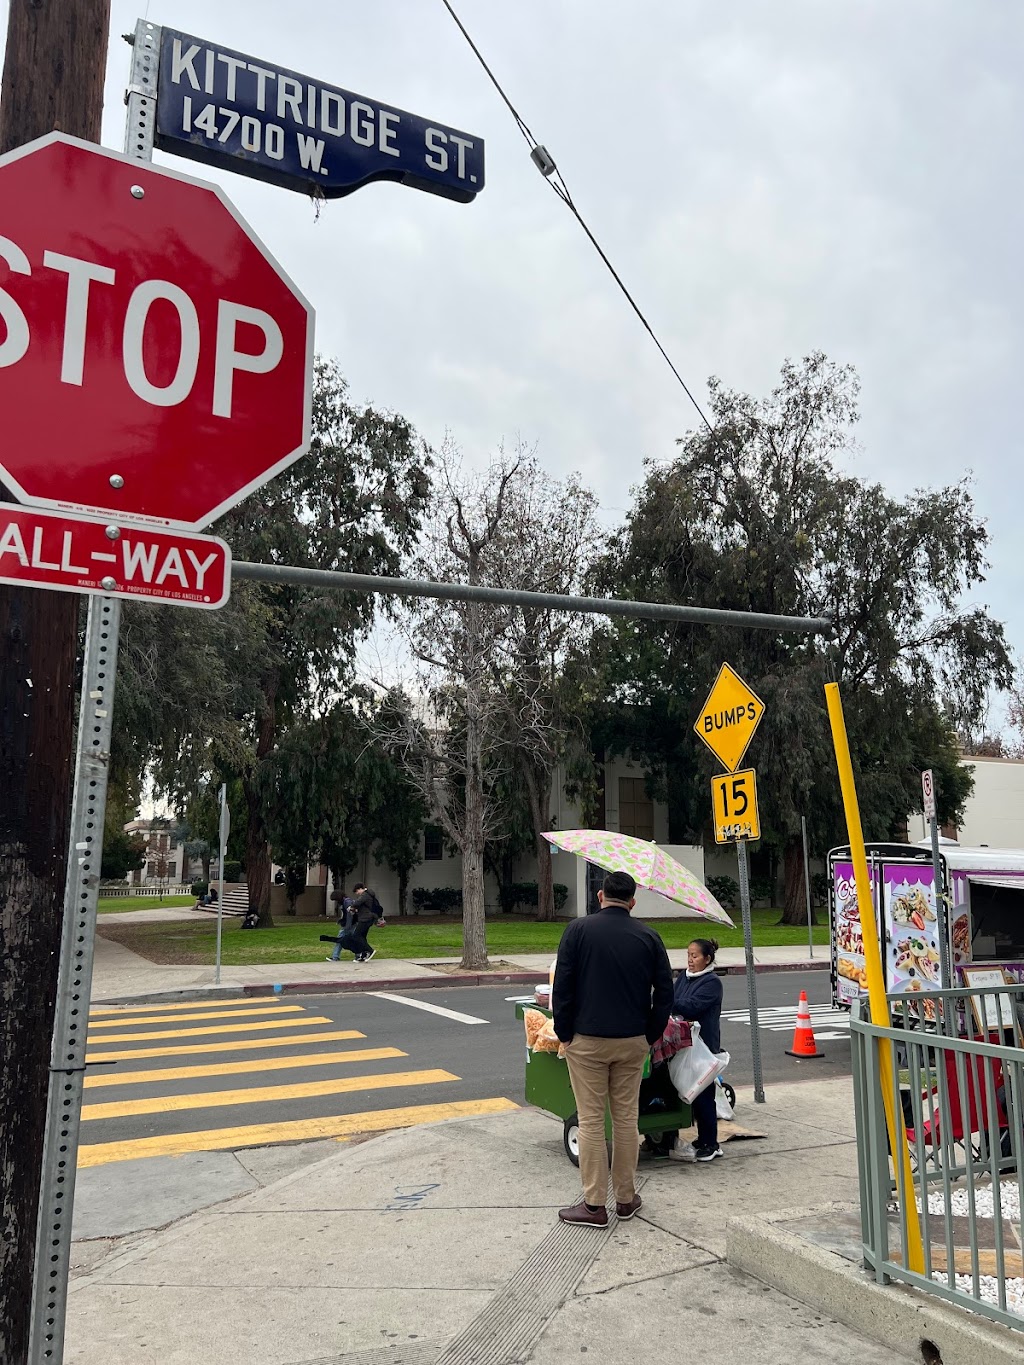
[155,360]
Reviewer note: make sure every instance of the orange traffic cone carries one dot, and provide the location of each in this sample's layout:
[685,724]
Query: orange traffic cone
[803,1035]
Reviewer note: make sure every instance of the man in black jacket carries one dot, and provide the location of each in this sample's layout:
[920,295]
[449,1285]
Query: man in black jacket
[611,1000]
[367,911]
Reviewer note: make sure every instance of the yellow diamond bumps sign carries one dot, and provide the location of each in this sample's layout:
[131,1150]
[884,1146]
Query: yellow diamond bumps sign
[730,716]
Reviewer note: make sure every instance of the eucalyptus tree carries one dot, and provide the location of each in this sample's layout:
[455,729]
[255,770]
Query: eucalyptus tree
[755,514]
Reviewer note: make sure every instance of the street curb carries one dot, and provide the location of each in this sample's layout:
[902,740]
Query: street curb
[893,1314]
[367,985]
[409,983]
[761,968]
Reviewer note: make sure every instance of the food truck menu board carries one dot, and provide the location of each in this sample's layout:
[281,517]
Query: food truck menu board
[851,977]
[911,928]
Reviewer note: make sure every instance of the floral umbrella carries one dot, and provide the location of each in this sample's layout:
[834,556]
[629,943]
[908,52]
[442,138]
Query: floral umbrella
[646,864]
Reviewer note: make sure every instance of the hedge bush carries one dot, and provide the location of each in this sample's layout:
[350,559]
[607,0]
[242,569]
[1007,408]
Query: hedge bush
[527,895]
[436,900]
[725,890]
[232,871]
[762,889]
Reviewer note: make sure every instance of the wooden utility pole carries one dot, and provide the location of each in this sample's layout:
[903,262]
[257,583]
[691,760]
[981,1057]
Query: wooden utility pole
[53,79]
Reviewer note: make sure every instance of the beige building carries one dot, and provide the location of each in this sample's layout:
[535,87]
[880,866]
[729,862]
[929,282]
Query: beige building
[623,805]
[994,817]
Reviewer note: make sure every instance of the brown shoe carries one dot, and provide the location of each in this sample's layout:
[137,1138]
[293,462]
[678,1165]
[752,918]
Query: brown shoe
[579,1213]
[627,1211]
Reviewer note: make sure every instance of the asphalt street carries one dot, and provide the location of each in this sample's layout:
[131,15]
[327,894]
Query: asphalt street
[224,1075]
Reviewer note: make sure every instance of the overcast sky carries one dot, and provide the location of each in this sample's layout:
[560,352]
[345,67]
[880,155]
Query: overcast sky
[768,179]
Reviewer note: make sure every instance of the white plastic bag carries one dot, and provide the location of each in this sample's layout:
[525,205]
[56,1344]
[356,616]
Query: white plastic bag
[692,1069]
[723,1108]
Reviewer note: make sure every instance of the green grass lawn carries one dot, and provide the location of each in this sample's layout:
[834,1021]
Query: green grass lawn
[192,941]
[120,905]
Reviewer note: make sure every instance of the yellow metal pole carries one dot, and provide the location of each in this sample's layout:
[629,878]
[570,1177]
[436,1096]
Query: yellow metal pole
[878,1004]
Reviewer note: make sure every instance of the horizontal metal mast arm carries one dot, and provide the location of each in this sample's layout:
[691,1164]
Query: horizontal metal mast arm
[465,592]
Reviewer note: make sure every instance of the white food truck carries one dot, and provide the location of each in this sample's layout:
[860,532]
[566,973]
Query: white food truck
[983,888]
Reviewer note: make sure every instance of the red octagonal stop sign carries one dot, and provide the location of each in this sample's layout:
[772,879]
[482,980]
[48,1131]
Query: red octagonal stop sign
[155,360]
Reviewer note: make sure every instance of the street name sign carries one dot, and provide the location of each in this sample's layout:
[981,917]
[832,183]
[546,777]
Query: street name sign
[155,360]
[77,554]
[734,803]
[729,718]
[228,109]
[928,794]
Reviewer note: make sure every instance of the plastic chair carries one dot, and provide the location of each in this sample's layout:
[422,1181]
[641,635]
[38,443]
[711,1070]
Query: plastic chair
[977,1104]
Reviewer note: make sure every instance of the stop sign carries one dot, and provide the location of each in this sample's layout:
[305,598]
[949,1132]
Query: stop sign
[155,360]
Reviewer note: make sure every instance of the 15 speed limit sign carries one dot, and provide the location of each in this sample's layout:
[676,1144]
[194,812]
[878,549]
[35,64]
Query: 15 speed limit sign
[734,802]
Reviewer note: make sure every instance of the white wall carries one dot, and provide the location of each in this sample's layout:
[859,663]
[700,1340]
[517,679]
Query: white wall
[995,810]
[649,905]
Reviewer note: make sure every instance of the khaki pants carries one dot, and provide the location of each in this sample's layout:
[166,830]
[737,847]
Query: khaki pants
[607,1071]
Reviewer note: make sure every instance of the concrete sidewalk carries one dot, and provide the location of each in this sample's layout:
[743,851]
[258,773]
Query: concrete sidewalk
[441,1246]
[120,974]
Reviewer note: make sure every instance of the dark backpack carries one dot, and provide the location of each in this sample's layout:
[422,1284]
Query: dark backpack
[377,907]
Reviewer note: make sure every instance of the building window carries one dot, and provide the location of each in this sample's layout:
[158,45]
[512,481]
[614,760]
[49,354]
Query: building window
[151,868]
[433,844]
[636,809]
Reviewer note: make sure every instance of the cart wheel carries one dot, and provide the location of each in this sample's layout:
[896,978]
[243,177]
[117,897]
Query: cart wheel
[659,1144]
[730,1094]
[571,1138]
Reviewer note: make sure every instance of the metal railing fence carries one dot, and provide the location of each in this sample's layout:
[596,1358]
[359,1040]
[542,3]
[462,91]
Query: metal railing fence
[958,1069]
[114,889]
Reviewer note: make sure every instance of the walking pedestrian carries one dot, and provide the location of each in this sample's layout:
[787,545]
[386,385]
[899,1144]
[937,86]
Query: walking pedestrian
[698,997]
[367,910]
[347,939]
[610,1002]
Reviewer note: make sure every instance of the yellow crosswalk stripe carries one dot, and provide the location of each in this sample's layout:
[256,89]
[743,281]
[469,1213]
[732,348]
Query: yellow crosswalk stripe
[187,1018]
[185,1073]
[98,1010]
[218,1099]
[339,1126]
[223,1028]
[129,1054]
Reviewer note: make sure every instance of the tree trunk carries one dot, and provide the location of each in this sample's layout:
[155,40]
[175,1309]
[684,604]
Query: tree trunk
[794,903]
[403,890]
[257,848]
[538,789]
[206,858]
[474,920]
[257,858]
[474,910]
[53,78]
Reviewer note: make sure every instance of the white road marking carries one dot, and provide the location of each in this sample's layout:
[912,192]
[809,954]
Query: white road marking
[431,1009]
[827,1022]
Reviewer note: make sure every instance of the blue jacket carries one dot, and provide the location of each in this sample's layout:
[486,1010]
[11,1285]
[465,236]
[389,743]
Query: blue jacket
[699,999]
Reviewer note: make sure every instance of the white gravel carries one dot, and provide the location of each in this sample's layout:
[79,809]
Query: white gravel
[984,1203]
[984,1207]
[989,1293]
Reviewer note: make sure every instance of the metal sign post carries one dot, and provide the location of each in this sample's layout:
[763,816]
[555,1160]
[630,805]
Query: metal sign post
[74,985]
[748,952]
[726,724]
[225,830]
[941,908]
[807,889]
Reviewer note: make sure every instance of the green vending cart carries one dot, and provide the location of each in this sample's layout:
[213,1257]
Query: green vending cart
[548,1087]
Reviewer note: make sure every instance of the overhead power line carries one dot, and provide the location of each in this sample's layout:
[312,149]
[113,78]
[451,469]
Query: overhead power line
[545,163]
